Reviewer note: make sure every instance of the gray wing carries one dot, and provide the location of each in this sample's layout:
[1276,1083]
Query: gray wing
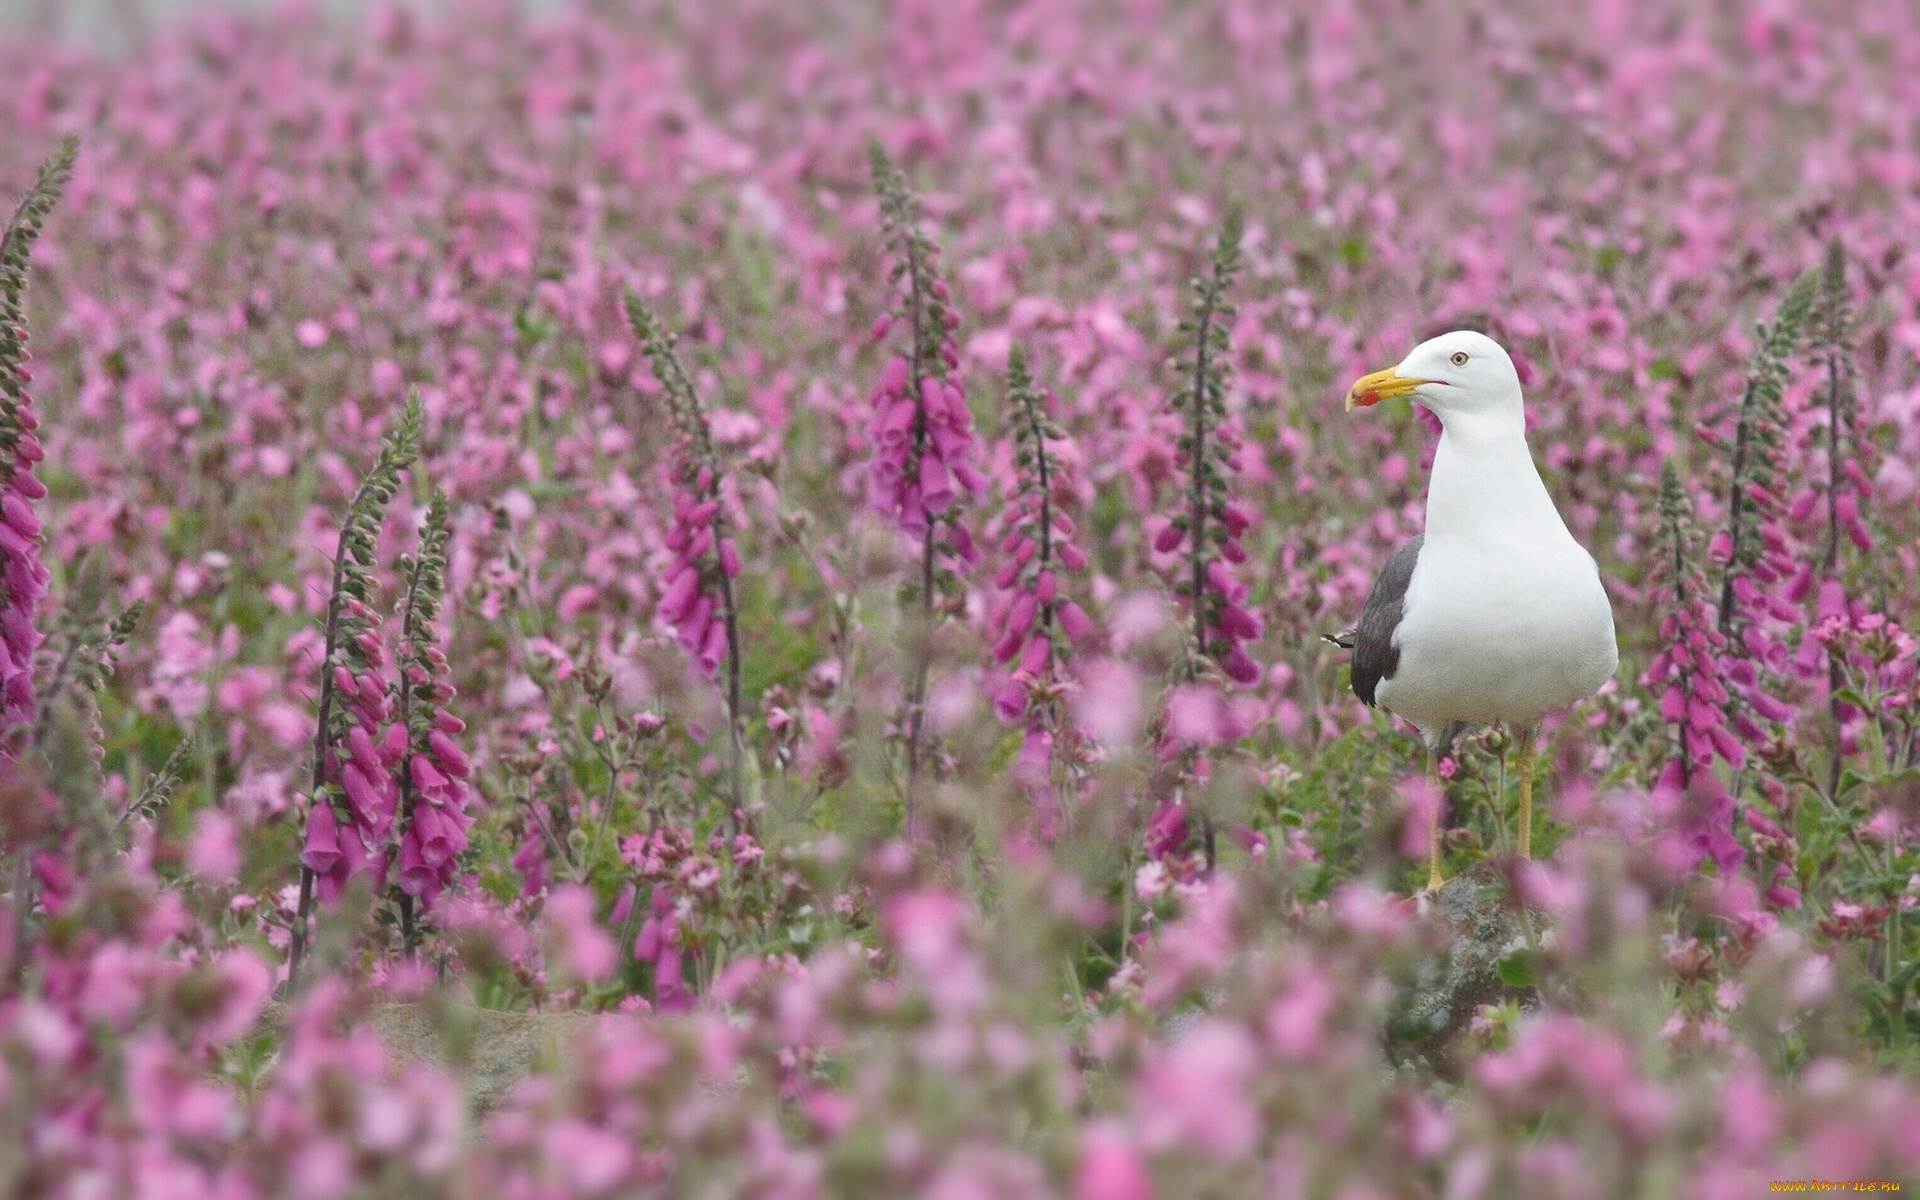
[1375,657]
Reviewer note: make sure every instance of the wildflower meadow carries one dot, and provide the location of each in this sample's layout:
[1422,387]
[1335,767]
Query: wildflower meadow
[738,599]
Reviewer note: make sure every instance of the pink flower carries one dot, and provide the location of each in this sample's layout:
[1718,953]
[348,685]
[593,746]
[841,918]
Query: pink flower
[1688,675]
[923,441]
[531,861]
[1167,829]
[245,985]
[1110,1168]
[1076,624]
[591,1159]
[1036,534]
[1010,703]
[1108,705]
[1295,1022]
[417,876]
[1220,622]
[1193,1095]
[659,944]
[575,941]
[447,754]
[214,851]
[696,596]
[322,853]
[1424,803]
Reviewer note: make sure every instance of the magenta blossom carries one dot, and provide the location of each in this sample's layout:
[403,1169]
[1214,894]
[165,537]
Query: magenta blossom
[696,586]
[348,828]
[1035,624]
[436,769]
[658,945]
[923,440]
[23,578]
[1209,526]
[1687,675]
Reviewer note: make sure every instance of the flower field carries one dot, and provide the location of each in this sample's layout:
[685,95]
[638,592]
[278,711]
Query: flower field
[760,575]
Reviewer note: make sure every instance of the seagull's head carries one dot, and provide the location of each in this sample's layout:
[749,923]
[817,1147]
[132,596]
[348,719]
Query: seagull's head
[1461,375]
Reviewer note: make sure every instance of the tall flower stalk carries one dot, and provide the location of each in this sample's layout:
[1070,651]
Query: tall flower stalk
[1208,530]
[352,792]
[1037,622]
[1210,527]
[433,788]
[1688,676]
[1756,564]
[23,578]
[697,596]
[21,572]
[90,647]
[1833,350]
[1847,485]
[924,442]
[1752,549]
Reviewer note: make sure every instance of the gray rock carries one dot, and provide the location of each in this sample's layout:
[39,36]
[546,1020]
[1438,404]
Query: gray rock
[489,1050]
[1431,1013]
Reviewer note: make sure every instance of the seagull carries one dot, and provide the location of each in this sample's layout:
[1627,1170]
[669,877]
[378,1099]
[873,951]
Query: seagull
[1494,613]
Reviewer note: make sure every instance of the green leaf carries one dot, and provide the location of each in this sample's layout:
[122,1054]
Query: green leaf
[533,327]
[1851,695]
[1518,969]
[1874,999]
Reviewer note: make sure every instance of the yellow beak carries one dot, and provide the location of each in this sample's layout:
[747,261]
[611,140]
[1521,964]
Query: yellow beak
[1381,385]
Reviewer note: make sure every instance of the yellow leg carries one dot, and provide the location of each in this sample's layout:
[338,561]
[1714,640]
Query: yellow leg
[1434,881]
[1525,766]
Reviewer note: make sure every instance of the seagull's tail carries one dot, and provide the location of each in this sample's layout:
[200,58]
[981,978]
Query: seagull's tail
[1344,639]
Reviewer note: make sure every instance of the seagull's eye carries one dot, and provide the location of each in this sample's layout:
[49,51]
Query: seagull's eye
[1458,358]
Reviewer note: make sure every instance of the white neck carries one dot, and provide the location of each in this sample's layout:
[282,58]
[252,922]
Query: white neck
[1485,486]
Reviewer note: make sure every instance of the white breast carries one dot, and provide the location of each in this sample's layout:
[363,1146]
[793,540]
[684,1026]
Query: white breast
[1489,635]
[1505,616]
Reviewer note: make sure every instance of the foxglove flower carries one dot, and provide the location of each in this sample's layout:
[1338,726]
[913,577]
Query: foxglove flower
[1844,495]
[924,451]
[658,945]
[1847,491]
[531,861]
[924,446]
[1687,675]
[1035,623]
[362,791]
[23,578]
[1212,521]
[1753,552]
[1208,531]
[354,796]
[696,592]
[433,781]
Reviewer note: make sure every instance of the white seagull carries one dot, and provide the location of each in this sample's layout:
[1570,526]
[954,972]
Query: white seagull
[1495,613]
